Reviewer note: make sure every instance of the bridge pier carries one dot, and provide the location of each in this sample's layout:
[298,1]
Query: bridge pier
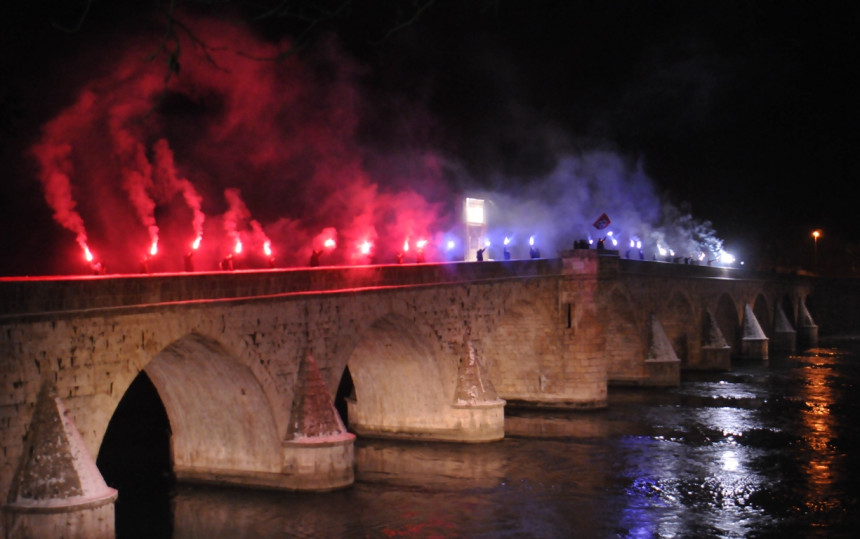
[754,342]
[57,490]
[716,354]
[784,336]
[662,363]
[807,329]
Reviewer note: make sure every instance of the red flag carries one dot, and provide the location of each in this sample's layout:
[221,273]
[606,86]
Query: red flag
[602,222]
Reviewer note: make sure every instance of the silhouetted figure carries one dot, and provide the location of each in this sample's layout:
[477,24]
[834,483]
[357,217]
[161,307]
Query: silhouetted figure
[144,265]
[315,258]
[98,268]
[189,261]
[507,253]
[227,263]
[399,258]
[641,255]
[271,262]
[419,257]
[534,252]
[479,256]
[600,244]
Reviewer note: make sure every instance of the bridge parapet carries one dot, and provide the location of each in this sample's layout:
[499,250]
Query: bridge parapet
[20,296]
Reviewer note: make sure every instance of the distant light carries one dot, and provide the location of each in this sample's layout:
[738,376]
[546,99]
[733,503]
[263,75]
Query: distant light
[507,240]
[487,243]
[531,240]
[451,244]
[727,258]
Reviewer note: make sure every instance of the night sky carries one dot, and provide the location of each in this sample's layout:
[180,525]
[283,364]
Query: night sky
[734,120]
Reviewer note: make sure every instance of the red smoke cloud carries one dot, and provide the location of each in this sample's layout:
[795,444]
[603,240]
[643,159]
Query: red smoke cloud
[282,132]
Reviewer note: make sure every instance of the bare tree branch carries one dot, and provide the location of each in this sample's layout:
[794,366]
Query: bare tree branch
[80,22]
[411,20]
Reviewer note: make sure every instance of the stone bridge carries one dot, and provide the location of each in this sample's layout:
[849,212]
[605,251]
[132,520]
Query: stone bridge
[248,365]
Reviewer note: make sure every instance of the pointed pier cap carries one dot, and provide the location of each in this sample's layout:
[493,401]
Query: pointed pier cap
[712,336]
[781,324]
[660,348]
[805,318]
[313,414]
[752,329]
[56,471]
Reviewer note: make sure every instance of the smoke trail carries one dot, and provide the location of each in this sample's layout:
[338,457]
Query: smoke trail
[168,184]
[136,168]
[56,169]
[562,207]
[235,216]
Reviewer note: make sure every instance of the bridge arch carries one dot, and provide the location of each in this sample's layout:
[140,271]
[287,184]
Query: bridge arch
[727,317]
[221,421]
[398,387]
[679,323]
[789,307]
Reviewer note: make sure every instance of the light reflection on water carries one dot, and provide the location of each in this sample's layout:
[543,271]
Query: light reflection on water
[767,449]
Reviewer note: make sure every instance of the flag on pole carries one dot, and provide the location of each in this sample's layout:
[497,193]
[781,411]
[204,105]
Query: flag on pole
[602,222]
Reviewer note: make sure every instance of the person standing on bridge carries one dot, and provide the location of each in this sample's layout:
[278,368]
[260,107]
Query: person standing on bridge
[479,255]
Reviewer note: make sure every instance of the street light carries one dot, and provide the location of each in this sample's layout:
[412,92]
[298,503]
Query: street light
[815,235]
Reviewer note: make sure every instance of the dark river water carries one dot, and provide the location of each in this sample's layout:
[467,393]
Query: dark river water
[769,449]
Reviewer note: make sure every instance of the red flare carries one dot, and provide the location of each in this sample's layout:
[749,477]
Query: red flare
[365,247]
[267,248]
[238,248]
[154,249]
[406,246]
[196,244]
[329,243]
[88,255]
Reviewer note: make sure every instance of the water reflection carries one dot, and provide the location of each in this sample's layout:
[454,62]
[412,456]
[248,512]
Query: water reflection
[818,394]
[764,450]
